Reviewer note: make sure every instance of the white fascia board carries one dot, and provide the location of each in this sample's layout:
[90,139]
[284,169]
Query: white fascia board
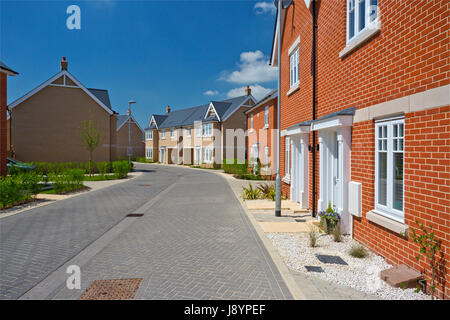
[154,121]
[209,108]
[241,105]
[78,83]
[338,121]
[297,130]
[308,3]
[133,120]
[49,81]
[35,90]
[273,56]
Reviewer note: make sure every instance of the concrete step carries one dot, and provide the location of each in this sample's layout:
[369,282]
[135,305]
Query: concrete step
[401,276]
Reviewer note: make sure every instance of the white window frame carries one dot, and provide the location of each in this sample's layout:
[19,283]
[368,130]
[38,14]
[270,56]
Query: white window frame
[370,22]
[287,155]
[207,155]
[172,134]
[149,134]
[294,67]
[266,157]
[162,151]
[266,117]
[388,209]
[198,131]
[163,134]
[207,129]
[149,153]
[254,154]
[188,132]
[251,122]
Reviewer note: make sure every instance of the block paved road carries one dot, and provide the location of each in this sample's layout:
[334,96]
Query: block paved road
[193,242]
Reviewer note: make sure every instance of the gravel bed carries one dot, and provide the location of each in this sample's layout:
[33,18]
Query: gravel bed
[360,274]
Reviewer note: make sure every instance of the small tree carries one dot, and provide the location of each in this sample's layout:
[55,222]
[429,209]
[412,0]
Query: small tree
[90,136]
[429,246]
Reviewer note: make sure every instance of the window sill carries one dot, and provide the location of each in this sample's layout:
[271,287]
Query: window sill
[287,179]
[386,222]
[293,89]
[360,39]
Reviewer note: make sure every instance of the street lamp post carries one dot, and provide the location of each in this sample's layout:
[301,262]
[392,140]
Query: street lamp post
[278,178]
[129,151]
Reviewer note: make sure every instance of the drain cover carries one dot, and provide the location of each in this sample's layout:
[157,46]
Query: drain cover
[135,215]
[314,269]
[144,185]
[330,259]
[116,289]
[300,220]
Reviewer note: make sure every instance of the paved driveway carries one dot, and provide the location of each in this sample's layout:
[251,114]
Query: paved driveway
[193,242]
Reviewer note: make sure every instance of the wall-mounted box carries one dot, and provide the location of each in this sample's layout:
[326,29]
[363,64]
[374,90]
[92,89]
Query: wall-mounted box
[355,198]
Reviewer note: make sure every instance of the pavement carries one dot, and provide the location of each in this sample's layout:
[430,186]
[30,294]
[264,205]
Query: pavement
[194,241]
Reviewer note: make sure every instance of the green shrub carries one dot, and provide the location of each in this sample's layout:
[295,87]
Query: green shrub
[19,188]
[251,193]
[121,168]
[358,251]
[68,180]
[268,190]
[103,167]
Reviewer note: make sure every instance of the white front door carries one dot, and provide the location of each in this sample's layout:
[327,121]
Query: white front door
[196,155]
[300,169]
[334,146]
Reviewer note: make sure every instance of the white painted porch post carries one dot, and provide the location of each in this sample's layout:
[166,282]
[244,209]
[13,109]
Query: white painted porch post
[344,140]
[304,170]
[322,167]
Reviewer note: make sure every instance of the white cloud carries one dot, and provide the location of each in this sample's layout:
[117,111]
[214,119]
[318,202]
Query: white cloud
[265,7]
[252,68]
[211,93]
[257,91]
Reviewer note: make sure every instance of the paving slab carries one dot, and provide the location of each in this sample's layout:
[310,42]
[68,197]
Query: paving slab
[284,227]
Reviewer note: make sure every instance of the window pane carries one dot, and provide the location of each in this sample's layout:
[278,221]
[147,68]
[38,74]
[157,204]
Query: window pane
[395,144]
[395,130]
[384,131]
[382,176]
[398,181]
[351,23]
[373,9]
[362,14]
[400,130]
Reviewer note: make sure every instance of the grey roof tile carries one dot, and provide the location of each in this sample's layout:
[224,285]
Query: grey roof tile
[101,95]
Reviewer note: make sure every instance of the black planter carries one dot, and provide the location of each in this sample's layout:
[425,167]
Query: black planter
[330,226]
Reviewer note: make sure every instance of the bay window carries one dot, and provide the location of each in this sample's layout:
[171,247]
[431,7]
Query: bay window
[207,129]
[389,150]
[149,134]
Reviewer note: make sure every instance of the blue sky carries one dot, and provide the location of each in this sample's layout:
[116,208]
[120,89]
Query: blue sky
[159,53]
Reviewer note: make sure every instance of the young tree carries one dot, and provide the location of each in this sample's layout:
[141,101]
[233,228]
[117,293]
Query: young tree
[90,136]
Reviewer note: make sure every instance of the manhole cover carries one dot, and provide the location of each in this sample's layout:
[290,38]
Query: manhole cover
[330,259]
[144,185]
[300,220]
[135,215]
[116,289]
[314,269]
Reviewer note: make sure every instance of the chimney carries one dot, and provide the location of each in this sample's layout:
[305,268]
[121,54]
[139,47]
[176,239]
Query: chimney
[248,91]
[128,112]
[168,109]
[64,64]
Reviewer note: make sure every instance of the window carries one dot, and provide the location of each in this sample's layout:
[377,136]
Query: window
[361,16]
[254,153]
[294,68]
[251,122]
[163,154]
[149,153]
[172,133]
[199,131]
[287,170]
[207,129]
[188,132]
[266,117]
[266,157]
[163,134]
[389,147]
[207,154]
[149,134]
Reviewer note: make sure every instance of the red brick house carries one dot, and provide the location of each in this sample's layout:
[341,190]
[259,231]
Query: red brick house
[261,120]
[365,119]
[4,72]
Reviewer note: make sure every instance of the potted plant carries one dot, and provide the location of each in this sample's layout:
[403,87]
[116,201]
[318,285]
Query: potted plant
[330,217]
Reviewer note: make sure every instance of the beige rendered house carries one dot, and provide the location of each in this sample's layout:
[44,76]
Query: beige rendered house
[200,135]
[45,122]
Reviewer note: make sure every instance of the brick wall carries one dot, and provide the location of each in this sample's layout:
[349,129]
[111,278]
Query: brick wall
[259,134]
[409,55]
